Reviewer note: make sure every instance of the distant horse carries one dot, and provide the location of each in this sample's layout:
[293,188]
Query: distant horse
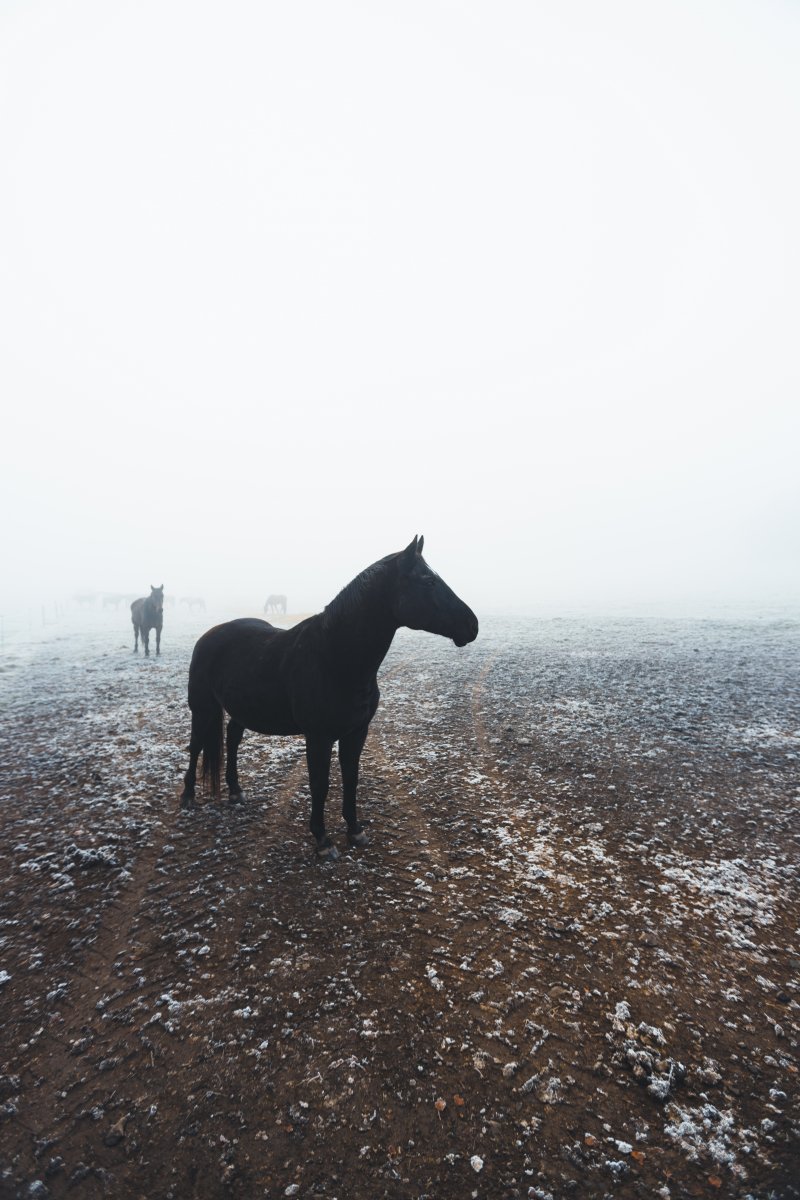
[193,602]
[318,679]
[275,604]
[147,614]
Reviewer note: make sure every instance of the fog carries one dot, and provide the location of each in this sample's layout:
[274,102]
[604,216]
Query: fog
[284,285]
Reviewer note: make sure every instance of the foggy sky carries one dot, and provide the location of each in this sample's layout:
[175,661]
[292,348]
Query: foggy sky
[283,285]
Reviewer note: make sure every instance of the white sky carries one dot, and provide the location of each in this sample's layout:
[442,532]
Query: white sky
[283,284]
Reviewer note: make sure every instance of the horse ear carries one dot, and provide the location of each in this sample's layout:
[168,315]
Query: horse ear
[413,551]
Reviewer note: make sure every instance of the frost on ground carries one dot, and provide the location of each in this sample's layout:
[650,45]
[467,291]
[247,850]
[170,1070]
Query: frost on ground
[566,965]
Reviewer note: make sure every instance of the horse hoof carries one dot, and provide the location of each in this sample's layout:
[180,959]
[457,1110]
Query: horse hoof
[236,796]
[359,838]
[187,800]
[327,853]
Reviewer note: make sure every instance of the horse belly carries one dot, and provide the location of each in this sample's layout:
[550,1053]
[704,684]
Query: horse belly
[259,705]
[334,712]
[263,720]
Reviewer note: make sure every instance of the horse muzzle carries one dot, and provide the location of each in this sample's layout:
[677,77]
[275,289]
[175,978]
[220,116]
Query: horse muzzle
[469,632]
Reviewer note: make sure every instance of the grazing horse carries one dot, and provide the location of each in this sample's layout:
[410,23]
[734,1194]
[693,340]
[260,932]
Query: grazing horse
[318,679]
[276,604]
[147,614]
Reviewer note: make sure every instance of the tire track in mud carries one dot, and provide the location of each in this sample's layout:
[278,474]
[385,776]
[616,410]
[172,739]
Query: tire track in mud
[99,1013]
[95,985]
[445,866]
[83,1046]
[468,957]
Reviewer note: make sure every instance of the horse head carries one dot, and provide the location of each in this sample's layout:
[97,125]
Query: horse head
[424,601]
[157,597]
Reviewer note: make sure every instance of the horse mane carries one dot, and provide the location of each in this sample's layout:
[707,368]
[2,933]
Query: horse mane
[352,594]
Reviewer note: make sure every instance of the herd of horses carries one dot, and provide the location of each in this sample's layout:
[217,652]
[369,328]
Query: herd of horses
[317,679]
[147,612]
[114,599]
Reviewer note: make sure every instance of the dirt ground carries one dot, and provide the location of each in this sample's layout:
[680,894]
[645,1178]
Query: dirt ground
[566,965]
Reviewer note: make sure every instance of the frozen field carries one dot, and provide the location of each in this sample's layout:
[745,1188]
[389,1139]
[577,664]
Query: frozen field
[566,965]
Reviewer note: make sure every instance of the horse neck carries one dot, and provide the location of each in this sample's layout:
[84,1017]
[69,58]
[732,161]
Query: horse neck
[360,627]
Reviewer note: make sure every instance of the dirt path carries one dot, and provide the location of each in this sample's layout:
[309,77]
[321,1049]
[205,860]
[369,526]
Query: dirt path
[542,977]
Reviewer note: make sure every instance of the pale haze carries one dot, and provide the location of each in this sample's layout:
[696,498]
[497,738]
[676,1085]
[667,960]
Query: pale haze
[283,285]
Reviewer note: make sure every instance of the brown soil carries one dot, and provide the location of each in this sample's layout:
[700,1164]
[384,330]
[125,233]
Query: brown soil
[566,964]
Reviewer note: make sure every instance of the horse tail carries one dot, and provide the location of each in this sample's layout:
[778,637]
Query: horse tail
[213,742]
[207,714]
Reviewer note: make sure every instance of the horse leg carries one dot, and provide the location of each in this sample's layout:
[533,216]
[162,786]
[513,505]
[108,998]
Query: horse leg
[135,638]
[190,778]
[350,748]
[318,757]
[158,639]
[234,737]
[146,640]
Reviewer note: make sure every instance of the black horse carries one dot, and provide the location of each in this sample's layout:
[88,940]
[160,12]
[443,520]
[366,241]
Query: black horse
[147,614]
[318,678]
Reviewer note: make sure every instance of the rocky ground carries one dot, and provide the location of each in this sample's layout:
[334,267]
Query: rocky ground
[566,965]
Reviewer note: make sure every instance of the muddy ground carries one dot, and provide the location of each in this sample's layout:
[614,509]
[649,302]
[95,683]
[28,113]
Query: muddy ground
[566,965]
